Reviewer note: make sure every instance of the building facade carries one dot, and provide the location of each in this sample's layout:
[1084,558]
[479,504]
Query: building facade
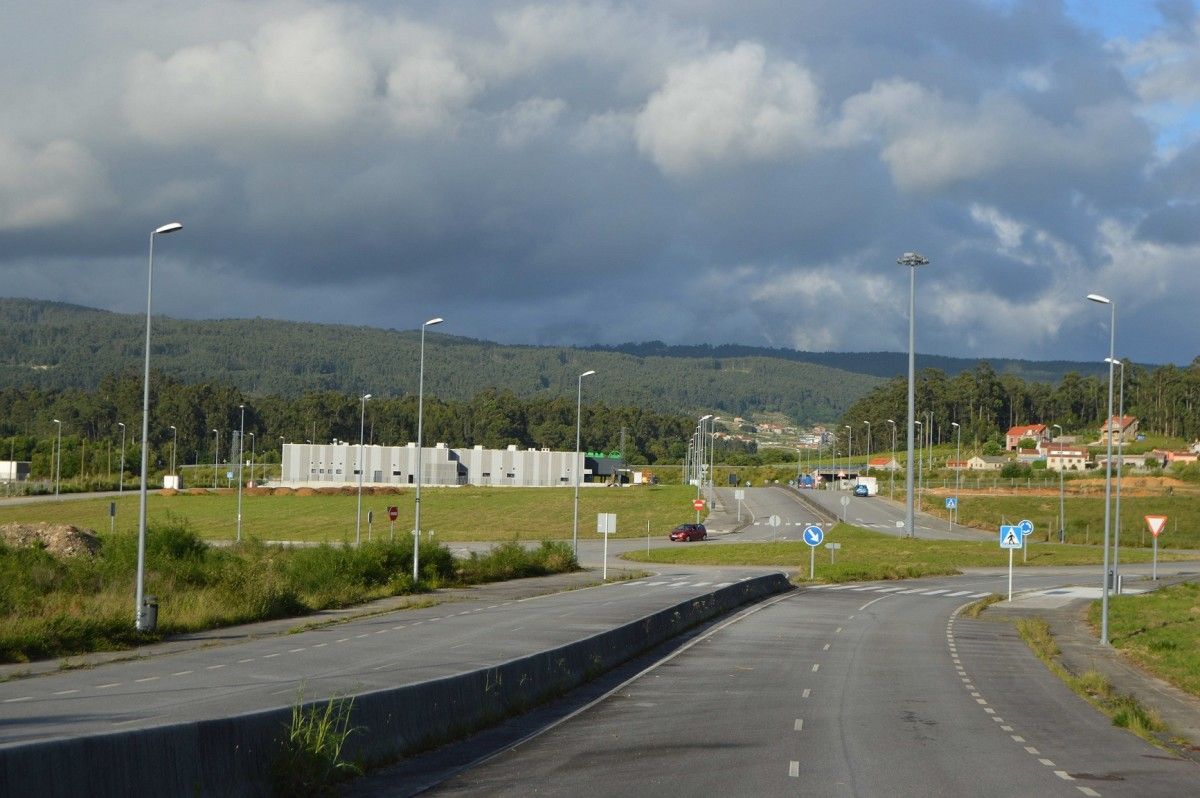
[337,465]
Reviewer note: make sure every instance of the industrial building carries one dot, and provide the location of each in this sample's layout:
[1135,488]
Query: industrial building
[336,464]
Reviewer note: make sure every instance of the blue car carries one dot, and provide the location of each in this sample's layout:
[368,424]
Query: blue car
[861,490]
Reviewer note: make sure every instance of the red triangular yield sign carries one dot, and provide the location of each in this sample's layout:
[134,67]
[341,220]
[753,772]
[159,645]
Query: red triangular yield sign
[1156,523]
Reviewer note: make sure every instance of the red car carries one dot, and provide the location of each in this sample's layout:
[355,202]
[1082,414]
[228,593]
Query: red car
[687,532]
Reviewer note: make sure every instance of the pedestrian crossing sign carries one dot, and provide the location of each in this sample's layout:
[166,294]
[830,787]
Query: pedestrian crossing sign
[1010,537]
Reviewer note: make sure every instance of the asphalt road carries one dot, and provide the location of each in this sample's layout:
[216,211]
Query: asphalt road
[369,653]
[860,690]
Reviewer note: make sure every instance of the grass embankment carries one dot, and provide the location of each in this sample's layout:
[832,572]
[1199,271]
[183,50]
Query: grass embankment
[1160,631]
[868,555]
[1085,517]
[1124,710]
[53,606]
[461,514]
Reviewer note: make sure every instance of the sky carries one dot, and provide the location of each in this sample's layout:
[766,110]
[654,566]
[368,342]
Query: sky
[574,173]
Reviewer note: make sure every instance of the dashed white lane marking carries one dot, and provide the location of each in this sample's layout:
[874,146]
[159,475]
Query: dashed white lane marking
[215,667]
[1046,762]
[915,590]
[380,632]
[978,595]
[723,584]
[826,648]
[959,593]
[888,589]
[1018,738]
[494,606]
[244,661]
[989,710]
[1064,775]
[1089,791]
[147,679]
[346,639]
[106,686]
[16,700]
[807,692]
[863,589]
[841,587]
[396,628]
[364,634]
[1030,749]
[702,584]
[1006,728]
[276,654]
[935,592]
[799,726]
[816,667]
[794,769]
[654,584]
[319,645]
[837,631]
[66,692]
[980,701]
[181,673]
[295,650]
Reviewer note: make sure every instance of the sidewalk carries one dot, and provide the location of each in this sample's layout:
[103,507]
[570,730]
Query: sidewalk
[1081,652]
[231,635]
[722,513]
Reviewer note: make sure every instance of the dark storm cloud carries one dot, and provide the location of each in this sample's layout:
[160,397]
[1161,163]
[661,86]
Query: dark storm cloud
[600,171]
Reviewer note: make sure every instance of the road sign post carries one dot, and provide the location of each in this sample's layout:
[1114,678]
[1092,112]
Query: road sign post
[698,504]
[740,495]
[393,513]
[845,503]
[606,524]
[1011,538]
[774,522]
[813,535]
[833,547]
[951,506]
[1156,523]
[1026,528]
[370,518]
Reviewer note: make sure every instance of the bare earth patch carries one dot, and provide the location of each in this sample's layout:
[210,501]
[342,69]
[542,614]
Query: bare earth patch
[61,540]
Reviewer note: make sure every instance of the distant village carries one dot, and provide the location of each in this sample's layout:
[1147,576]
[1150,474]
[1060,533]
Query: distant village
[1023,444]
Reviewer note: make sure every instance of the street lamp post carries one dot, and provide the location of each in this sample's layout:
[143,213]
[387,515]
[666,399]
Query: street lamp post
[1062,506]
[920,467]
[216,452]
[362,421]
[420,420]
[912,260]
[141,621]
[868,423]
[240,459]
[849,447]
[282,443]
[892,465]
[1112,346]
[957,464]
[174,446]
[121,473]
[578,469]
[1121,462]
[57,457]
[253,441]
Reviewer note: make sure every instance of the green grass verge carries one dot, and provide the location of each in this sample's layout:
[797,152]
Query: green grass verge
[460,514]
[1085,517]
[869,555]
[57,607]
[1160,631]
[1124,710]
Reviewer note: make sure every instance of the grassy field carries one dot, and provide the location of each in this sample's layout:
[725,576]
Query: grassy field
[870,555]
[460,514]
[1160,630]
[52,606]
[1085,517]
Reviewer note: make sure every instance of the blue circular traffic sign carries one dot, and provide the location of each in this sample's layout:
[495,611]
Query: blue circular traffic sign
[1025,526]
[813,535]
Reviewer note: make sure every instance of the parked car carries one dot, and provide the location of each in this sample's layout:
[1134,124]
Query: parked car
[861,490]
[688,532]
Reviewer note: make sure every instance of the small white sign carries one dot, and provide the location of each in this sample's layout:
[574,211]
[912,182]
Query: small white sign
[606,523]
[739,495]
[774,521]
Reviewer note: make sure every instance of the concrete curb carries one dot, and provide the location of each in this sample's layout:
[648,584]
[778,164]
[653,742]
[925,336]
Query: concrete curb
[233,756]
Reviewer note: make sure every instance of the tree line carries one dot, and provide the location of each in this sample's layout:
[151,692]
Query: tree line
[207,417]
[1165,400]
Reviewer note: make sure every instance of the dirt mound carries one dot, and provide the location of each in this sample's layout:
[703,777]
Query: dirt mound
[168,492]
[61,540]
[195,491]
[283,491]
[257,491]
[383,491]
[305,492]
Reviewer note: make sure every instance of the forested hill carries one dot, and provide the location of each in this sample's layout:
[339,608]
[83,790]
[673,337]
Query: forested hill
[52,345]
[876,364]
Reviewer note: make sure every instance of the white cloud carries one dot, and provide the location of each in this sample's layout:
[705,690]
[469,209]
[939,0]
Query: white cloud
[529,120]
[300,78]
[53,183]
[728,107]
[1008,231]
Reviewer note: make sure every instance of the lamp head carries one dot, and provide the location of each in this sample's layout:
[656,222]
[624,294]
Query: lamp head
[168,228]
[56,421]
[432,322]
[706,418]
[366,396]
[891,421]
[1103,300]
[587,373]
[954,423]
[912,259]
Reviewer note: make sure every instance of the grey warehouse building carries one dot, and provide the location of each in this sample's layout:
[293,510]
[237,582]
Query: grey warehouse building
[336,465]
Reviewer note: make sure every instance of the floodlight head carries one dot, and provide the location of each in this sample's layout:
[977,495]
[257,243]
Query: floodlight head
[366,396]
[587,373]
[168,228]
[432,322]
[891,421]
[954,423]
[1115,361]
[56,421]
[120,423]
[912,259]
[171,427]
[706,418]
[847,426]
[1103,300]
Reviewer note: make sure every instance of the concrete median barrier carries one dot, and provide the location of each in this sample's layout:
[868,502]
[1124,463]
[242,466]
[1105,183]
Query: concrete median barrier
[233,756]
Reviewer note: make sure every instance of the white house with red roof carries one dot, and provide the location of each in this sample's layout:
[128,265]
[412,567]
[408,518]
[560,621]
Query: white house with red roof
[884,464]
[1066,458]
[1038,432]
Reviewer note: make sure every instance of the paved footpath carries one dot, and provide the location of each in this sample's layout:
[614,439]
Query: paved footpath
[1082,652]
